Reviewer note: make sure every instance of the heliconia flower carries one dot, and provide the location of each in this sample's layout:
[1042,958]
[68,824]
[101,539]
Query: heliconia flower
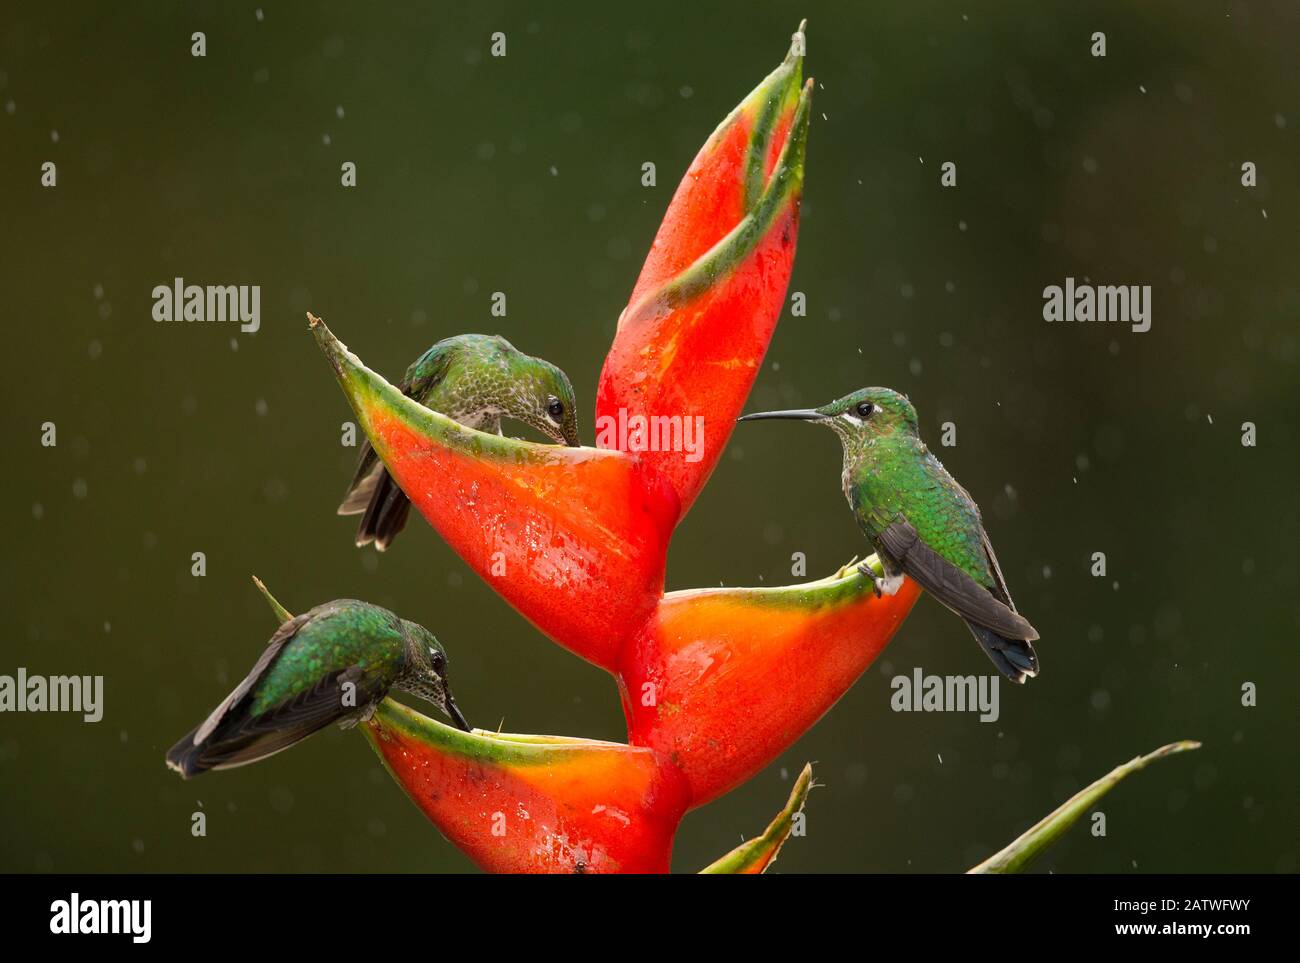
[715,683]
[574,538]
[723,680]
[535,804]
[693,335]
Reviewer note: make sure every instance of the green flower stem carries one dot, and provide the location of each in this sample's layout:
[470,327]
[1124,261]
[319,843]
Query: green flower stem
[763,850]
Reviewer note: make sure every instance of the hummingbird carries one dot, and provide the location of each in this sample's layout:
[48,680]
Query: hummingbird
[474,379]
[921,522]
[334,663]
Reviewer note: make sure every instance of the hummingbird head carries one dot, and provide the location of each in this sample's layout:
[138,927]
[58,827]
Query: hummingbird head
[427,675]
[870,413]
[859,418]
[491,378]
[548,404]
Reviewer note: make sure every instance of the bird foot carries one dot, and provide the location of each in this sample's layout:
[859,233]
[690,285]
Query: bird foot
[355,719]
[883,585]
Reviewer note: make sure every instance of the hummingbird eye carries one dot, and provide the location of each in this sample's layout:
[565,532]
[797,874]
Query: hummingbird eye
[865,409]
[437,660]
[555,408]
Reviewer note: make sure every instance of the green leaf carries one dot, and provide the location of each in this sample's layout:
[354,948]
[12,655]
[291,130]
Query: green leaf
[1025,848]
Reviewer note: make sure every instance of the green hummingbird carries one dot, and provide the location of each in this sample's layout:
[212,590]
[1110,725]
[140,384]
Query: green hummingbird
[475,379]
[921,522]
[334,663]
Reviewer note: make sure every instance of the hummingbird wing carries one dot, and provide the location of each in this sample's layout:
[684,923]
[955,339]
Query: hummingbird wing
[371,477]
[242,738]
[429,370]
[999,583]
[282,636]
[234,736]
[950,585]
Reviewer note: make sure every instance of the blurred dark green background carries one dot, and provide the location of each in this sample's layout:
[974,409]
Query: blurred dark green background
[522,174]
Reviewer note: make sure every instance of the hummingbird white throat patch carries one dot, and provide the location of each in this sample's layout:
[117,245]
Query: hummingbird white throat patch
[1126,303]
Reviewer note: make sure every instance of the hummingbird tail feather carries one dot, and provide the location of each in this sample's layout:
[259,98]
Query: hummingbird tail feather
[386,512]
[362,487]
[191,760]
[357,500]
[1015,658]
[186,758]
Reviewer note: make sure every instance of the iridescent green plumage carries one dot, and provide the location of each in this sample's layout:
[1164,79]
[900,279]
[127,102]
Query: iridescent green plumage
[921,522]
[334,663]
[474,379]
[332,639]
[896,474]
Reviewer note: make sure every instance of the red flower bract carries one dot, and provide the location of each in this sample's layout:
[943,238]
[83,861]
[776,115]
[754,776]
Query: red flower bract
[523,804]
[693,335]
[724,680]
[574,538]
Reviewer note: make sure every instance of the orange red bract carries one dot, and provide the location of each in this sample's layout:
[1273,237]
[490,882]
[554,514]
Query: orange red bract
[525,804]
[574,538]
[692,338]
[725,680]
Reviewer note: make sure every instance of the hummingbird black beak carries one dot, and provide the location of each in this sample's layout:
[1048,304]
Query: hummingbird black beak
[795,414]
[457,716]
